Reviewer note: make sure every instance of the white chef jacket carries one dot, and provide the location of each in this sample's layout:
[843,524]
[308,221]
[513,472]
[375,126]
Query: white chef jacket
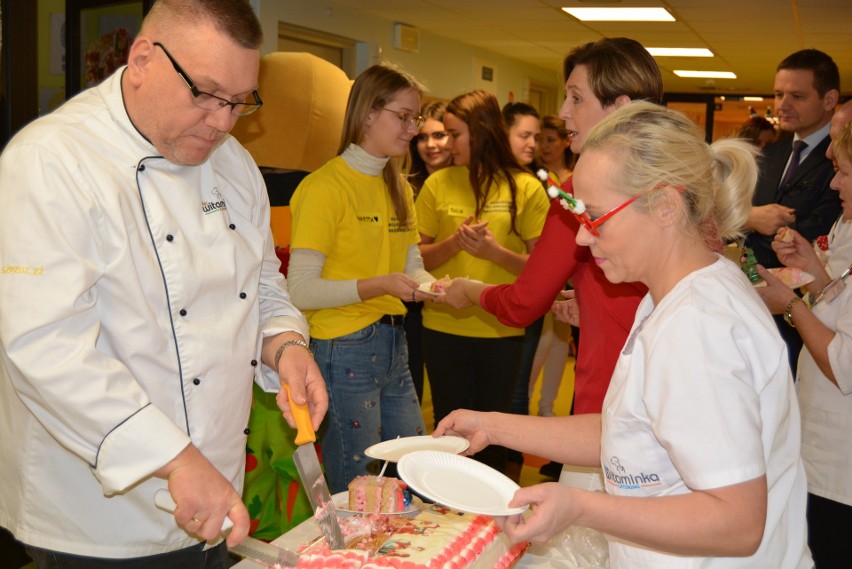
[827,409]
[134,297]
[701,398]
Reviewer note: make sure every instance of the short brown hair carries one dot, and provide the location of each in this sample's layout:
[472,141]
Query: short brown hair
[824,69]
[618,66]
[235,19]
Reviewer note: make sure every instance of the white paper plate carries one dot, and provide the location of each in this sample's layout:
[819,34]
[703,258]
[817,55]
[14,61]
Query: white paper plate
[793,278]
[459,482]
[341,502]
[395,449]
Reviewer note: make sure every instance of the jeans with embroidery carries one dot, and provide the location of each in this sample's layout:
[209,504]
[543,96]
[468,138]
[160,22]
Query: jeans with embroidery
[371,398]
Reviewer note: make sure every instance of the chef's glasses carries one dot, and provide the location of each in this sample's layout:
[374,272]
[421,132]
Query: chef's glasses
[209,101]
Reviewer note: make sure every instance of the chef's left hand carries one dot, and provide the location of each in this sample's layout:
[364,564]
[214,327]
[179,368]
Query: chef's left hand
[553,509]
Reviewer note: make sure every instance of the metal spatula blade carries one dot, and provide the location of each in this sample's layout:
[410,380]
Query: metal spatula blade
[265,553]
[313,480]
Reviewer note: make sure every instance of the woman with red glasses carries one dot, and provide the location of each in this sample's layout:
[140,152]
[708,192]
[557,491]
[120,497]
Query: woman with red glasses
[600,77]
[699,436]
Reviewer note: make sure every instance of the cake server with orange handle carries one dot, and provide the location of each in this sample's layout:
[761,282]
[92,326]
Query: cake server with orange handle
[313,480]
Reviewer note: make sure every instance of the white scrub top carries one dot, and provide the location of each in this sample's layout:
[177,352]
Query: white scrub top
[701,398]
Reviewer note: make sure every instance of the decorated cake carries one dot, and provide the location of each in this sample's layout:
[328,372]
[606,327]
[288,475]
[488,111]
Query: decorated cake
[375,495]
[436,537]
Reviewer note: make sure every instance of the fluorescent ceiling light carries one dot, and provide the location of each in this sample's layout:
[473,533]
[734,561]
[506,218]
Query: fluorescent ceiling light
[679,51]
[705,74]
[752,98]
[620,14]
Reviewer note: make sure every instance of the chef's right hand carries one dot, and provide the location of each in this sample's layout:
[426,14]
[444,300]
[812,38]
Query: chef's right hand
[203,498]
[468,424]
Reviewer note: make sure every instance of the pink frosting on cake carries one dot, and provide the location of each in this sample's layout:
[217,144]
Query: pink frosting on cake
[345,559]
[437,538]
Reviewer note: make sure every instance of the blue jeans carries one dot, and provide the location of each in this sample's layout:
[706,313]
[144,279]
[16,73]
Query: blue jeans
[371,398]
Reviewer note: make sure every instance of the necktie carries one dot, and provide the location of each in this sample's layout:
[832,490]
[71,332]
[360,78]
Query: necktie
[795,156]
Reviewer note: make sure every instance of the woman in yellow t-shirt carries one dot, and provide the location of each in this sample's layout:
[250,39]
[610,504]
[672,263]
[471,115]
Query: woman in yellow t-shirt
[480,219]
[354,260]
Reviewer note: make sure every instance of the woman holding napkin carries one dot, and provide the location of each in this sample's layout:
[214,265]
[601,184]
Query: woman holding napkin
[699,433]
[354,260]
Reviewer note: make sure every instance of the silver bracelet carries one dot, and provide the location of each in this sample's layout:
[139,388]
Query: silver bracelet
[286,345]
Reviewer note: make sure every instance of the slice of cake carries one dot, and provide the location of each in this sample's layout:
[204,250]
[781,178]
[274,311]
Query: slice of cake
[373,495]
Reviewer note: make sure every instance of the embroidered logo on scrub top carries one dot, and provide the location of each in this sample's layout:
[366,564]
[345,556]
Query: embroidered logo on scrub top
[617,475]
[218,203]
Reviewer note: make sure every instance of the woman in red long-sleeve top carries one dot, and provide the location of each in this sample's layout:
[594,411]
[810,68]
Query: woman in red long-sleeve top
[600,77]
[607,309]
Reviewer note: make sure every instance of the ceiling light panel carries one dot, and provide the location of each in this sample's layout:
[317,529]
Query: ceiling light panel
[705,74]
[679,52]
[620,14]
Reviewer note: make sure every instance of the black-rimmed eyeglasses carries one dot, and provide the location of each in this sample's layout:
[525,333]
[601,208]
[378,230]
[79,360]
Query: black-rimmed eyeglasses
[209,101]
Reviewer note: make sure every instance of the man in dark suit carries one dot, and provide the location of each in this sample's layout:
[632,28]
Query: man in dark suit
[793,187]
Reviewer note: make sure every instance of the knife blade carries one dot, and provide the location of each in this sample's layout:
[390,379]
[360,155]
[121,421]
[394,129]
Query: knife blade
[250,548]
[313,480]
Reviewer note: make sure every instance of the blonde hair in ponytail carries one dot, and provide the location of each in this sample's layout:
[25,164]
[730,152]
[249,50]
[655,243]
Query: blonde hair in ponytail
[658,147]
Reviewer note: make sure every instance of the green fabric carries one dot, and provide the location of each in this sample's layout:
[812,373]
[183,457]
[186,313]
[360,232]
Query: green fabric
[272,493]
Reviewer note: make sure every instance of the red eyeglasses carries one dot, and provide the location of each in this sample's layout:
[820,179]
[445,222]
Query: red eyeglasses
[592,225]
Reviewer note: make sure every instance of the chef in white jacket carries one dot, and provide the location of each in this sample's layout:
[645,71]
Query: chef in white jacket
[139,298]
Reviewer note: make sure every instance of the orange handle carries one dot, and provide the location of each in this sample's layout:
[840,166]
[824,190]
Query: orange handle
[302,416]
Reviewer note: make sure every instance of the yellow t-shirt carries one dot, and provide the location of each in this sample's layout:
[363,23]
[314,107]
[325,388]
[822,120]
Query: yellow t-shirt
[443,204]
[349,217]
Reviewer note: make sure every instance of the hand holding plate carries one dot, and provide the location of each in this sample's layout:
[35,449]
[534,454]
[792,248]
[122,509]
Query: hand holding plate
[467,424]
[554,507]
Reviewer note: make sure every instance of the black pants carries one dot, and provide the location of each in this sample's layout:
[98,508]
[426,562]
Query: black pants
[829,529]
[521,395]
[472,373]
[194,557]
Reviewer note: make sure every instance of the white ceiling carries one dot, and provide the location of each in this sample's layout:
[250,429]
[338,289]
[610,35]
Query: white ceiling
[748,37]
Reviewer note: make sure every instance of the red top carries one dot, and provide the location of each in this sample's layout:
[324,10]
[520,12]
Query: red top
[606,309]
